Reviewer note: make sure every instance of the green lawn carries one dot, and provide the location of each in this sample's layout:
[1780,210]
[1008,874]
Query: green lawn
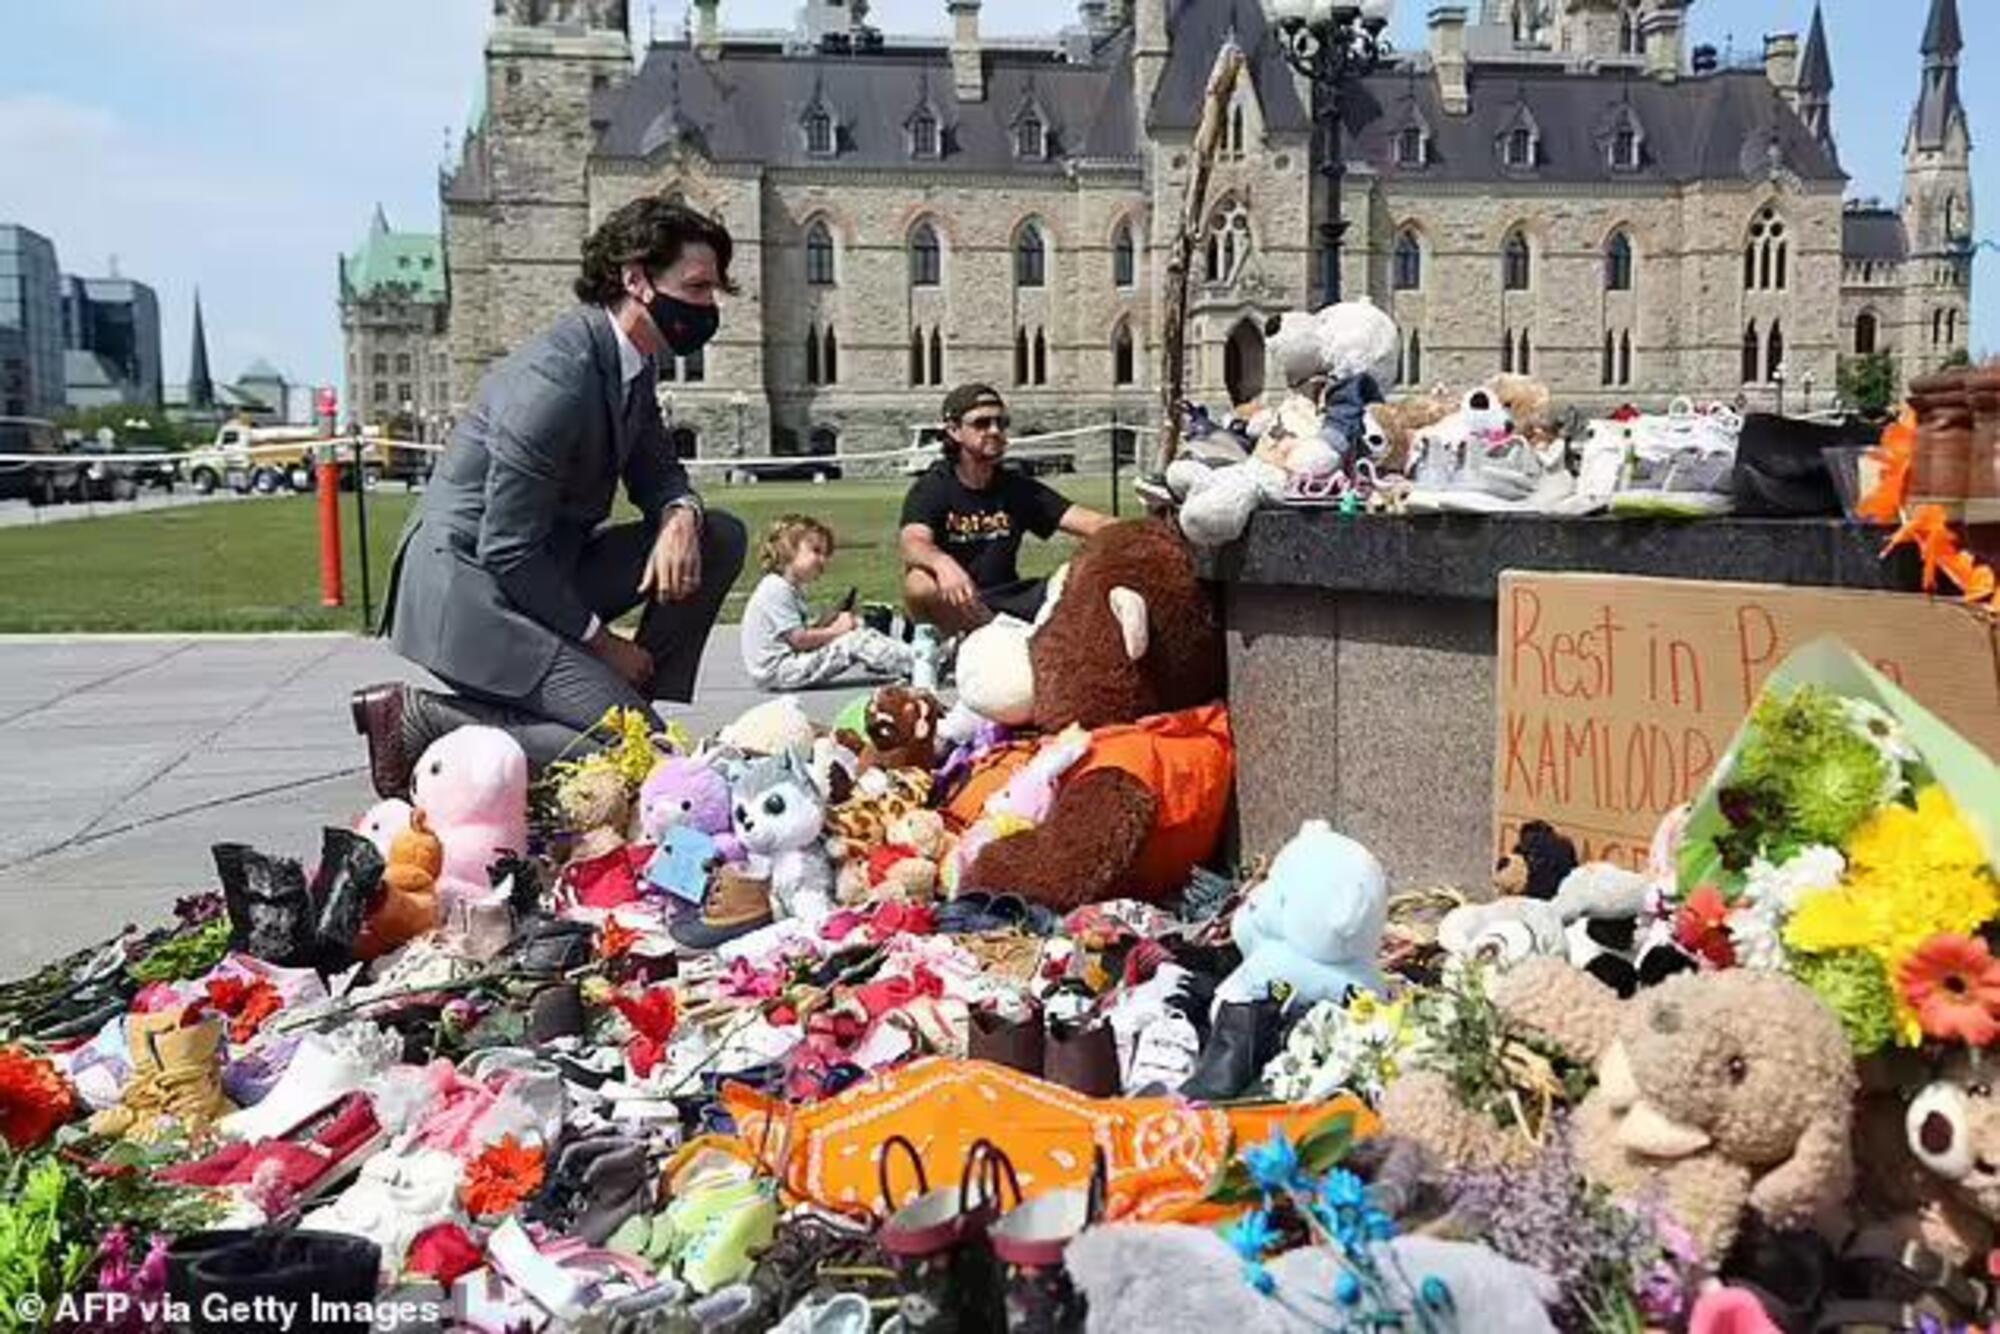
[254,565]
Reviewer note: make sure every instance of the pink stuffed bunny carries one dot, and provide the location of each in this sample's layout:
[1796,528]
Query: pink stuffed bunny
[1024,803]
[472,785]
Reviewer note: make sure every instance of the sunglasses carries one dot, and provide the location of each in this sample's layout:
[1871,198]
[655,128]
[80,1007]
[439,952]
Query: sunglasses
[999,423]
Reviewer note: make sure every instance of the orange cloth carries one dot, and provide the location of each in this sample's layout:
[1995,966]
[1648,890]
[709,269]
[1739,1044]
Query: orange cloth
[1187,760]
[1161,1154]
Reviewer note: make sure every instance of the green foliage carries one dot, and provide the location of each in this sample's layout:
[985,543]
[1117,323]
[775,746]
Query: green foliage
[1825,775]
[1958,360]
[42,1253]
[1869,382]
[186,956]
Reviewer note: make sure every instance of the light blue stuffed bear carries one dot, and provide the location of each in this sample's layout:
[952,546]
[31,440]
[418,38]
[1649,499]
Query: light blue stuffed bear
[1315,923]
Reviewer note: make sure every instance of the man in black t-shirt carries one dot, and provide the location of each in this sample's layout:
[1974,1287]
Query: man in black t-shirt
[964,518]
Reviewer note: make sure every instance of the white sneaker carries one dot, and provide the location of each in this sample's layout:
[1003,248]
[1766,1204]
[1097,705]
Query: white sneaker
[1606,446]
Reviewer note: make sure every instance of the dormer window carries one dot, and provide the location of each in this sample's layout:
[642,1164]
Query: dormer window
[819,132]
[1519,148]
[1410,146]
[1031,138]
[923,135]
[1625,149]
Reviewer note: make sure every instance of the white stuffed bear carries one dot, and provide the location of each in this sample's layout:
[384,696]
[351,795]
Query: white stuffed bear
[1334,364]
[1315,923]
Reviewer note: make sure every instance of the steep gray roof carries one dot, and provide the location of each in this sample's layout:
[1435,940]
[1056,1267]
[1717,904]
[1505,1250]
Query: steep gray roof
[1873,234]
[1941,33]
[1816,67]
[1197,29]
[471,183]
[750,103]
[1719,126]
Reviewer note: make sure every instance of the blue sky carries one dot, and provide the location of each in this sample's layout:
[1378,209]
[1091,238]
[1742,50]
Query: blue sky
[240,145]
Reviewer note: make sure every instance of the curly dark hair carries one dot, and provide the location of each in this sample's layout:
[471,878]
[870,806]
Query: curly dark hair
[652,231]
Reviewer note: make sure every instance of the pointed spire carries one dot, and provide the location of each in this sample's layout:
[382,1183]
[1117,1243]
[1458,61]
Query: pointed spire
[1941,35]
[379,224]
[200,389]
[1816,67]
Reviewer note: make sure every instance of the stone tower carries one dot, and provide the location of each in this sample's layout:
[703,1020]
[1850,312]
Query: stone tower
[1937,200]
[517,207]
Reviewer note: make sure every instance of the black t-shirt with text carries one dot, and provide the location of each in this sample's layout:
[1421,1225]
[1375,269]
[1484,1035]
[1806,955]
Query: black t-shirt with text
[981,530]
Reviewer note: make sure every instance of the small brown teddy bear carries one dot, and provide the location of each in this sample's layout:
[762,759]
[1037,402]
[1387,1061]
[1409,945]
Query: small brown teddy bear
[1527,402]
[1401,419]
[1723,1091]
[902,725]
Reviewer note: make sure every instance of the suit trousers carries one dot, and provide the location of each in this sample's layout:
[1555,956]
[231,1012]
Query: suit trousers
[578,688]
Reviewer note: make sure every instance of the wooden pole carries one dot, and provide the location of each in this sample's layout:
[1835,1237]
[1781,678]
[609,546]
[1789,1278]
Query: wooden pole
[1187,244]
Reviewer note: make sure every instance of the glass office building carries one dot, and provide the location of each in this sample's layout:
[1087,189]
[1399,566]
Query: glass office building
[117,320]
[31,325]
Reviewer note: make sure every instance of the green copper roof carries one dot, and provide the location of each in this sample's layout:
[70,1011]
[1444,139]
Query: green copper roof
[388,258]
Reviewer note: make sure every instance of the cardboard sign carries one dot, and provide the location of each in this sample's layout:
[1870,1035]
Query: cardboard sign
[1618,695]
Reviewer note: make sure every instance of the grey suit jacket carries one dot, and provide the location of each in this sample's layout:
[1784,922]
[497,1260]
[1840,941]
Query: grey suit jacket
[481,591]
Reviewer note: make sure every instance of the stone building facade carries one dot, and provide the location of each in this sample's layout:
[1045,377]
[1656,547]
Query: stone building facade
[1555,186]
[394,307]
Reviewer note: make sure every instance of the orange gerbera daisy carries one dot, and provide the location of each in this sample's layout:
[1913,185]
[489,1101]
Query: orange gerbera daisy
[1953,984]
[34,1099]
[615,940]
[499,1179]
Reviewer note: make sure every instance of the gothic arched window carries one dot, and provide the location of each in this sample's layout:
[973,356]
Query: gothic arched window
[1765,259]
[1228,239]
[1618,263]
[1774,352]
[1409,262]
[1517,263]
[1866,331]
[819,255]
[1752,350]
[1123,363]
[926,258]
[1124,256]
[1031,257]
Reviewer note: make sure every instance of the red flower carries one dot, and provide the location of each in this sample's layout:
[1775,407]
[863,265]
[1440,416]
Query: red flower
[1701,927]
[34,1099]
[616,940]
[652,1014]
[499,1179]
[1953,983]
[445,1253]
[643,1055]
[246,1004]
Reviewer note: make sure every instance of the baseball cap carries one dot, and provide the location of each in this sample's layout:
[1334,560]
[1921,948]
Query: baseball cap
[969,396]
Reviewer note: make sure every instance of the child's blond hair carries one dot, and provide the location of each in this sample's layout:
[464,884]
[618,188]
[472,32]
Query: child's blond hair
[785,535]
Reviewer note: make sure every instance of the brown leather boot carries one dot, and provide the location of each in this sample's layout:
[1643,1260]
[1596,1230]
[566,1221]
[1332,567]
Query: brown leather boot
[190,1081]
[143,1097]
[381,714]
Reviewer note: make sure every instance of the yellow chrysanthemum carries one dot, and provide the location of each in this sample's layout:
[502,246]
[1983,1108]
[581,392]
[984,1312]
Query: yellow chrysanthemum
[1912,874]
[1933,837]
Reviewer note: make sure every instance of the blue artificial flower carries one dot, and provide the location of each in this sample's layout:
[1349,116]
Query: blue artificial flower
[1378,1225]
[1347,1288]
[1274,1164]
[1251,1235]
[1436,1293]
[1342,1190]
[1259,1278]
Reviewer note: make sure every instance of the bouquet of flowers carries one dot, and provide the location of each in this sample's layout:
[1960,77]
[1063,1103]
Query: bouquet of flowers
[1847,838]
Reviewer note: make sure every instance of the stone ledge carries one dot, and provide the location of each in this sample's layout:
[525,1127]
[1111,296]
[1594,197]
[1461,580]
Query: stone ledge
[1461,556]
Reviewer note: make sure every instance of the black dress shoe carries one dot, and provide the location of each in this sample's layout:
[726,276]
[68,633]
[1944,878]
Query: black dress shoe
[1241,1042]
[381,714]
[343,890]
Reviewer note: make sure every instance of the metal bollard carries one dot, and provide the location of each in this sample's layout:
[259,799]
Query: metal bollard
[331,594]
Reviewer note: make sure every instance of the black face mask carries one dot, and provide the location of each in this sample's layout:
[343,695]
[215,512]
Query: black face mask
[685,326]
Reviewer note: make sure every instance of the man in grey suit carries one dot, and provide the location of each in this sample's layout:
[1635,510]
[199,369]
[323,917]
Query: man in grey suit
[508,574]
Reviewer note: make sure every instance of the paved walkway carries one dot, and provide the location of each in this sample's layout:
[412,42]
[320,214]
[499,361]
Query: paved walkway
[123,758]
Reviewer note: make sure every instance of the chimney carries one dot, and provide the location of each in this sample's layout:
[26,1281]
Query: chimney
[1448,57]
[1661,30]
[968,66]
[1781,64]
[708,29]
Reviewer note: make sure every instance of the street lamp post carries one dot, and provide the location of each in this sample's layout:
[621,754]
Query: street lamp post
[1778,375]
[740,401]
[1334,44]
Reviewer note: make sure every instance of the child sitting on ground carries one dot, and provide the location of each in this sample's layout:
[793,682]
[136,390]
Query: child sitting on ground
[783,648]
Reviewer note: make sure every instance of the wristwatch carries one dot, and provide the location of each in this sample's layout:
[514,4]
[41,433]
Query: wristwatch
[690,502]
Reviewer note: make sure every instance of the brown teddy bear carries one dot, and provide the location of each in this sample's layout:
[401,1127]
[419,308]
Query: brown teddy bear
[902,726]
[1130,650]
[1932,1160]
[1722,1091]
[1399,421]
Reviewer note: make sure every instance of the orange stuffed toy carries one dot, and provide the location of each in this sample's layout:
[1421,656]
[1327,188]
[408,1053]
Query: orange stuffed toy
[1130,650]
[408,905]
